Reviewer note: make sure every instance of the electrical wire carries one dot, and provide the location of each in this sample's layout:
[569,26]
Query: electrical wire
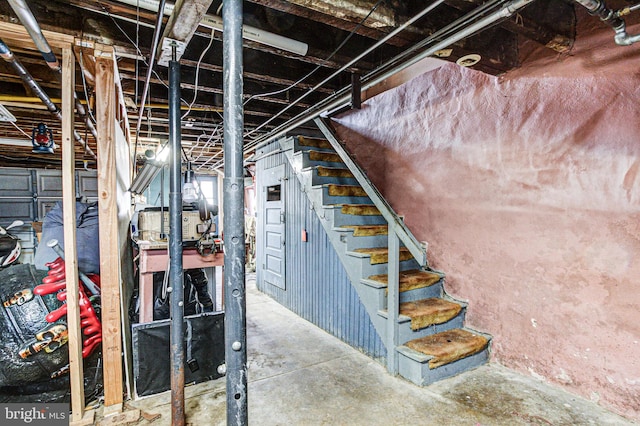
[142,58]
[84,86]
[20,129]
[321,64]
[351,62]
[195,93]
[135,93]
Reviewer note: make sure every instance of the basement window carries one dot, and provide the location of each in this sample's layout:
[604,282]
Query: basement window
[273,193]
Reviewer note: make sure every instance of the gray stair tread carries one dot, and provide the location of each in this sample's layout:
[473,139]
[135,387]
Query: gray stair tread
[445,347]
[426,312]
[366,230]
[333,172]
[381,254]
[410,280]
[355,209]
[329,157]
[312,142]
[401,318]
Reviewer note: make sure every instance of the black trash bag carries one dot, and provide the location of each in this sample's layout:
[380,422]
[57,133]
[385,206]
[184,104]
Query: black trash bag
[87,240]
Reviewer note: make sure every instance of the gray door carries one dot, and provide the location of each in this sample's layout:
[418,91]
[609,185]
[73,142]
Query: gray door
[274,234]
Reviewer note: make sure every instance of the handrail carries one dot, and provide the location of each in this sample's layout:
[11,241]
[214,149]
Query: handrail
[395,224]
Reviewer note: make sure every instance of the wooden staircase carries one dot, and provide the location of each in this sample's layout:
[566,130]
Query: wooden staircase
[422,327]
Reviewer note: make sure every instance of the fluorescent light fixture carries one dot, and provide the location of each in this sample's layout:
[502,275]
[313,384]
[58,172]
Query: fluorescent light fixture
[5,115]
[145,176]
[215,22]
[260,36]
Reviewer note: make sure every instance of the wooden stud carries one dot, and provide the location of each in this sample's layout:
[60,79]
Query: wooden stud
[70,251]
[109,247]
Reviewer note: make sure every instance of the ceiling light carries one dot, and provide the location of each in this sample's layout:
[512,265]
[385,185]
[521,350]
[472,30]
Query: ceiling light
[469,60]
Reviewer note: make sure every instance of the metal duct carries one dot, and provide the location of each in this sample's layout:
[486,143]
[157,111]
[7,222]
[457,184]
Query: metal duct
[29,21]
[28,79]
[33,28]
[613,19]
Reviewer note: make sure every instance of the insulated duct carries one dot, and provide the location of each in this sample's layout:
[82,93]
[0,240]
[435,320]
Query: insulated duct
[28,79]
[31,25]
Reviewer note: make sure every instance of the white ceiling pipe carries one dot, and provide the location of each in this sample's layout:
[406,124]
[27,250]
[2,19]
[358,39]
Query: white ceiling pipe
[250,33]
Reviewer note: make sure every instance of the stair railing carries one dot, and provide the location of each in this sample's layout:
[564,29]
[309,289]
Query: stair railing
[396,225]
[397,231]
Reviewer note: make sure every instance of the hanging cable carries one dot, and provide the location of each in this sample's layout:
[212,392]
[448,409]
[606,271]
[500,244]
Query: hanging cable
[195,93]
[84,86]
[351,62]
[20,129]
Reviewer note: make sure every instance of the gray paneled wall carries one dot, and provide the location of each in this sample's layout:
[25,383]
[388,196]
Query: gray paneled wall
[316,285]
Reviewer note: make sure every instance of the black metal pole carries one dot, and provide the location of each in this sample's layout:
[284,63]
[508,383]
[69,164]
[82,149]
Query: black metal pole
[234,295]
[175,247]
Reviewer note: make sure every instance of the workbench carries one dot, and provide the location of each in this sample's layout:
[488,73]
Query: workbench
[154,257]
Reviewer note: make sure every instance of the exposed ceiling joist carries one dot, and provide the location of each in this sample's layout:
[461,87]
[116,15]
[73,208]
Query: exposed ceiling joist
[184,20]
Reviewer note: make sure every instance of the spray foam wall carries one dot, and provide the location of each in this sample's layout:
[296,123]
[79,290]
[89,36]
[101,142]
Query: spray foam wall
[527,189]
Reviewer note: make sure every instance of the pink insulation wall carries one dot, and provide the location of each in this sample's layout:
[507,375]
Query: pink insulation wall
[527,189]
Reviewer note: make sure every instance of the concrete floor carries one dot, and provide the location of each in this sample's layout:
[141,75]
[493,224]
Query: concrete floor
[300,375]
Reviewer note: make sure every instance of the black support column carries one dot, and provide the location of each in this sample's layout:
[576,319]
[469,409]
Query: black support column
[234,270]
[176,273]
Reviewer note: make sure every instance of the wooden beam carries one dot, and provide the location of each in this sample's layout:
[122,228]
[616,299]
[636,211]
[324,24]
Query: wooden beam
[109,247]
[17,35]
[70,251]
[184,21]
[345,25]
